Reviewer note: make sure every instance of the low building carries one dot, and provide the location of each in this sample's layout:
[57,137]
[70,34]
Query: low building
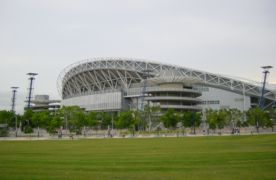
[43,102]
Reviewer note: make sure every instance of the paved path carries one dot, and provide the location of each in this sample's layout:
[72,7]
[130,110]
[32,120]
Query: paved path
[128,136]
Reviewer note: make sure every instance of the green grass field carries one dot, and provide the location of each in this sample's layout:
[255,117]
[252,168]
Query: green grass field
[236,157]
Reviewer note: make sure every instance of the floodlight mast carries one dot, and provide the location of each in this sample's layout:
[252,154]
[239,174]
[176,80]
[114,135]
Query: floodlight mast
[266,72]
[29,97]
[14,90]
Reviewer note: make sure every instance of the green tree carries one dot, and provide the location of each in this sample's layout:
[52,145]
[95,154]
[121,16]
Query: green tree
[7,117]
[258,118]
[191,119]
[104,119]
[41,120]
[211,119]
[137,115]
[222,118]
[170,119]
[151,113]
[272,115]
[92,119]
[77,120]
[126,120]
[217,118]
[27,123]
[74,118]
[235,116]
[54,124]
[64,113]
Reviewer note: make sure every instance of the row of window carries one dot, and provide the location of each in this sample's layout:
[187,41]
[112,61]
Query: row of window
[210,102]
[201,89]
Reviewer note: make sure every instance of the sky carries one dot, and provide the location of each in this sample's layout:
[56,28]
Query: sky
[233,38]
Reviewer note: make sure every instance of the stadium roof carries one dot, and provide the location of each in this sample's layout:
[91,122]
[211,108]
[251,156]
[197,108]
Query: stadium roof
[98,74]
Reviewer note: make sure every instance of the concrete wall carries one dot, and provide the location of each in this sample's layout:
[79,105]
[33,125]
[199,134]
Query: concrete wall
[105,101]
[225,98]
[213,98]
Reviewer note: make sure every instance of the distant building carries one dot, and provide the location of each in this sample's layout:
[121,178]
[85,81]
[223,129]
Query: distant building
[116,84]
[43,102]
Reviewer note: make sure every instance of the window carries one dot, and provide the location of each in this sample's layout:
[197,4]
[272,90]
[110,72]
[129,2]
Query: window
[210,102]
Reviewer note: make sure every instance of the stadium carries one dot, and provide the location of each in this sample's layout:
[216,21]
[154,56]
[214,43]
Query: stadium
[117,84]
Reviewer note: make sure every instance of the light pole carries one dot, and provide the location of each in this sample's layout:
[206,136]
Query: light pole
[29,97]
[14,90]
[262,99]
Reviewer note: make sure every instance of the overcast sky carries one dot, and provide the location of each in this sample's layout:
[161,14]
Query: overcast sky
[232,37]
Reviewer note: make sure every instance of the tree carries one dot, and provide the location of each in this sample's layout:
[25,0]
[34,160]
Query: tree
[222,118]
[138,120]
[65,113]
[258,118]
[126,120]
[54,124]
[211,118]
[169,118]
[7,117]
[151,113]
[235,117]
[191,119]
[27,124]
[75,118]
[92,119]
[41,120]
[272,115]
[6,120]
[217,118]
[104,119]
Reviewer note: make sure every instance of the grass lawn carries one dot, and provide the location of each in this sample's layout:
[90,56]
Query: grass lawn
[235,157]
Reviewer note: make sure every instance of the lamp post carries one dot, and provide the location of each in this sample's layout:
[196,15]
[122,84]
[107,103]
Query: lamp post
[262,100]
[14,90]
[29,97]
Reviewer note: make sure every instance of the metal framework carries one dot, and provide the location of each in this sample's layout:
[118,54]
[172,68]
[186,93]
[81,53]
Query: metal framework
[100,74]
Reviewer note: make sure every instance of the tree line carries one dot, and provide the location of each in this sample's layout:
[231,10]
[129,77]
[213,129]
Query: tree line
[77,120]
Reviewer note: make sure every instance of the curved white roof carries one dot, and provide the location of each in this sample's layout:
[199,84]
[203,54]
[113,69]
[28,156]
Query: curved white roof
[98,74]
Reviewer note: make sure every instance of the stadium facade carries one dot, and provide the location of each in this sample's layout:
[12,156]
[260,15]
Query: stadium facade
[116,84]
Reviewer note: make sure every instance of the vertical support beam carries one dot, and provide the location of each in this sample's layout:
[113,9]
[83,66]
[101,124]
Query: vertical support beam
[144,88]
